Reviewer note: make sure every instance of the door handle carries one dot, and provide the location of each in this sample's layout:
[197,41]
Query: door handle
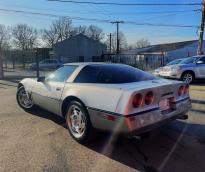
[58,89]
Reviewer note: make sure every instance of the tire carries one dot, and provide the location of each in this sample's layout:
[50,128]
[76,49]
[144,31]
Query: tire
[24,106]
[188,77]
[73,116]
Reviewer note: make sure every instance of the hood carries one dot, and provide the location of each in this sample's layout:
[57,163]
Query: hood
[186,65]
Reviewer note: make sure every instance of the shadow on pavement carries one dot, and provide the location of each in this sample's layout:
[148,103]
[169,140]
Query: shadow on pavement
[198,101]
[198,83]
[48,115]
[163,149]
[199,111]
[167,148]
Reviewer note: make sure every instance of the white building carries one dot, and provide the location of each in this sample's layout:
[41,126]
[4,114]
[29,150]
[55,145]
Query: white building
[171,51]
[159,55]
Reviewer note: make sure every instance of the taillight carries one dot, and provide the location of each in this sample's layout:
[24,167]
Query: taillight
[149,98]
[110,117]
[181,90]
[137,100]
[186,89]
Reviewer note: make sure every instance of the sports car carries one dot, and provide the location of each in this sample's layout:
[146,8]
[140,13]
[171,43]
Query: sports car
[100,96]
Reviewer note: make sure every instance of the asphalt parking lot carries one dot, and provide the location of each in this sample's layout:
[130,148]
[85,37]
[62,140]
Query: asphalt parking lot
[39,141]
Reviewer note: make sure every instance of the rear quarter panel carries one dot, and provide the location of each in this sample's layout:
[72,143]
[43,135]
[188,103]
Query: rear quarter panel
[96,96]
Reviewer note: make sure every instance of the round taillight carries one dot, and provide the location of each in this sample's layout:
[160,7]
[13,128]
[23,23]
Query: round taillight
[137,100]
[186,89]
[181,90]
[149,98]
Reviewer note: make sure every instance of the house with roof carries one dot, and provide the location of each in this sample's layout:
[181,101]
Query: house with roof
[175,50]
[79,48]
[160,54]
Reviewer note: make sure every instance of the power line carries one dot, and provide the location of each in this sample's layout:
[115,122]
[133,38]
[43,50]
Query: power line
[167,15]
[160,24]
[160,12]
[101,12]
[55,16]
[155,12]
[129,4]
[98,20]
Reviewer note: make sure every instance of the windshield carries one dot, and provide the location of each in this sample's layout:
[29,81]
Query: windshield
[112,74]
[189,60]
[174,62]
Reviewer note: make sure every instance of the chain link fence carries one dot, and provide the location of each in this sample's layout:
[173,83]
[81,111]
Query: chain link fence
[147,62]
[17,66]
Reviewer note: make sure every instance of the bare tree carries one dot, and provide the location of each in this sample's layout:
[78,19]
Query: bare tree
[122,39]
[24,38]
[64,28]
[95,33]
[50,36]
[80,30]
[59,30]
[4,37]
[142,43]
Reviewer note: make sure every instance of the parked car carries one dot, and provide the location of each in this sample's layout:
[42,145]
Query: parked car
[111,97]
[187,70]
[47,64]
[174,62]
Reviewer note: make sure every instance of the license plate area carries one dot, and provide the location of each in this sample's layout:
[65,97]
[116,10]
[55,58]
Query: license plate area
[166,105]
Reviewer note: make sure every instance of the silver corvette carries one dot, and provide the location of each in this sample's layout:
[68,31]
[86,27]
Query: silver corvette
[112,97]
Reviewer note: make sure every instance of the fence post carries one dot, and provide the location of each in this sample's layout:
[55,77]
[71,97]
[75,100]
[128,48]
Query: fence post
[37,62]
[1,65]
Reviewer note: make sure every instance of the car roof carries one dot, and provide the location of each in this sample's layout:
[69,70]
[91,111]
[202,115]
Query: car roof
[199,56]
[84,63]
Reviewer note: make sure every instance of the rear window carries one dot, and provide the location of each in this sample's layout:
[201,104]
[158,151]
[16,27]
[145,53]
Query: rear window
[111,74]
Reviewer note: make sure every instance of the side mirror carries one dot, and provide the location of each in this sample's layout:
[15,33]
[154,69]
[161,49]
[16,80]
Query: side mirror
[200,62]
[41,79]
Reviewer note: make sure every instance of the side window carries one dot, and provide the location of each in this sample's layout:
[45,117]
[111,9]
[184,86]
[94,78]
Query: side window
[62,74]
[87,75]
[42,62]
[52,61]
[203,59]
[46,62]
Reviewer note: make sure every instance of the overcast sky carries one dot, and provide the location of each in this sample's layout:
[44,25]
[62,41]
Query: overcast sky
[183,15]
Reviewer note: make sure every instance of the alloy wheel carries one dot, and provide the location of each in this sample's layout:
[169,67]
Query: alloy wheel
[188,78]
[76,121]
[24,99]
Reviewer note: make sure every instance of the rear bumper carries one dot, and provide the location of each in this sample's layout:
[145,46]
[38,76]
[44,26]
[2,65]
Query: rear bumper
[139,122]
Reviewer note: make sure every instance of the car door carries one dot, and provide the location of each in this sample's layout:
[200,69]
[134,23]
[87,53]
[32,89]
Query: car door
[201,68]
[47,94]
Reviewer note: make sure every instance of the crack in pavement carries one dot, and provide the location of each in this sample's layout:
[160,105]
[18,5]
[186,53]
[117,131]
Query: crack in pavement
[147,167]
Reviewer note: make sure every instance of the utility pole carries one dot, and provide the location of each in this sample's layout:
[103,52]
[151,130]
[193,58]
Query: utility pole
[110,43]
[118,40]
[110,36]
[201,32]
